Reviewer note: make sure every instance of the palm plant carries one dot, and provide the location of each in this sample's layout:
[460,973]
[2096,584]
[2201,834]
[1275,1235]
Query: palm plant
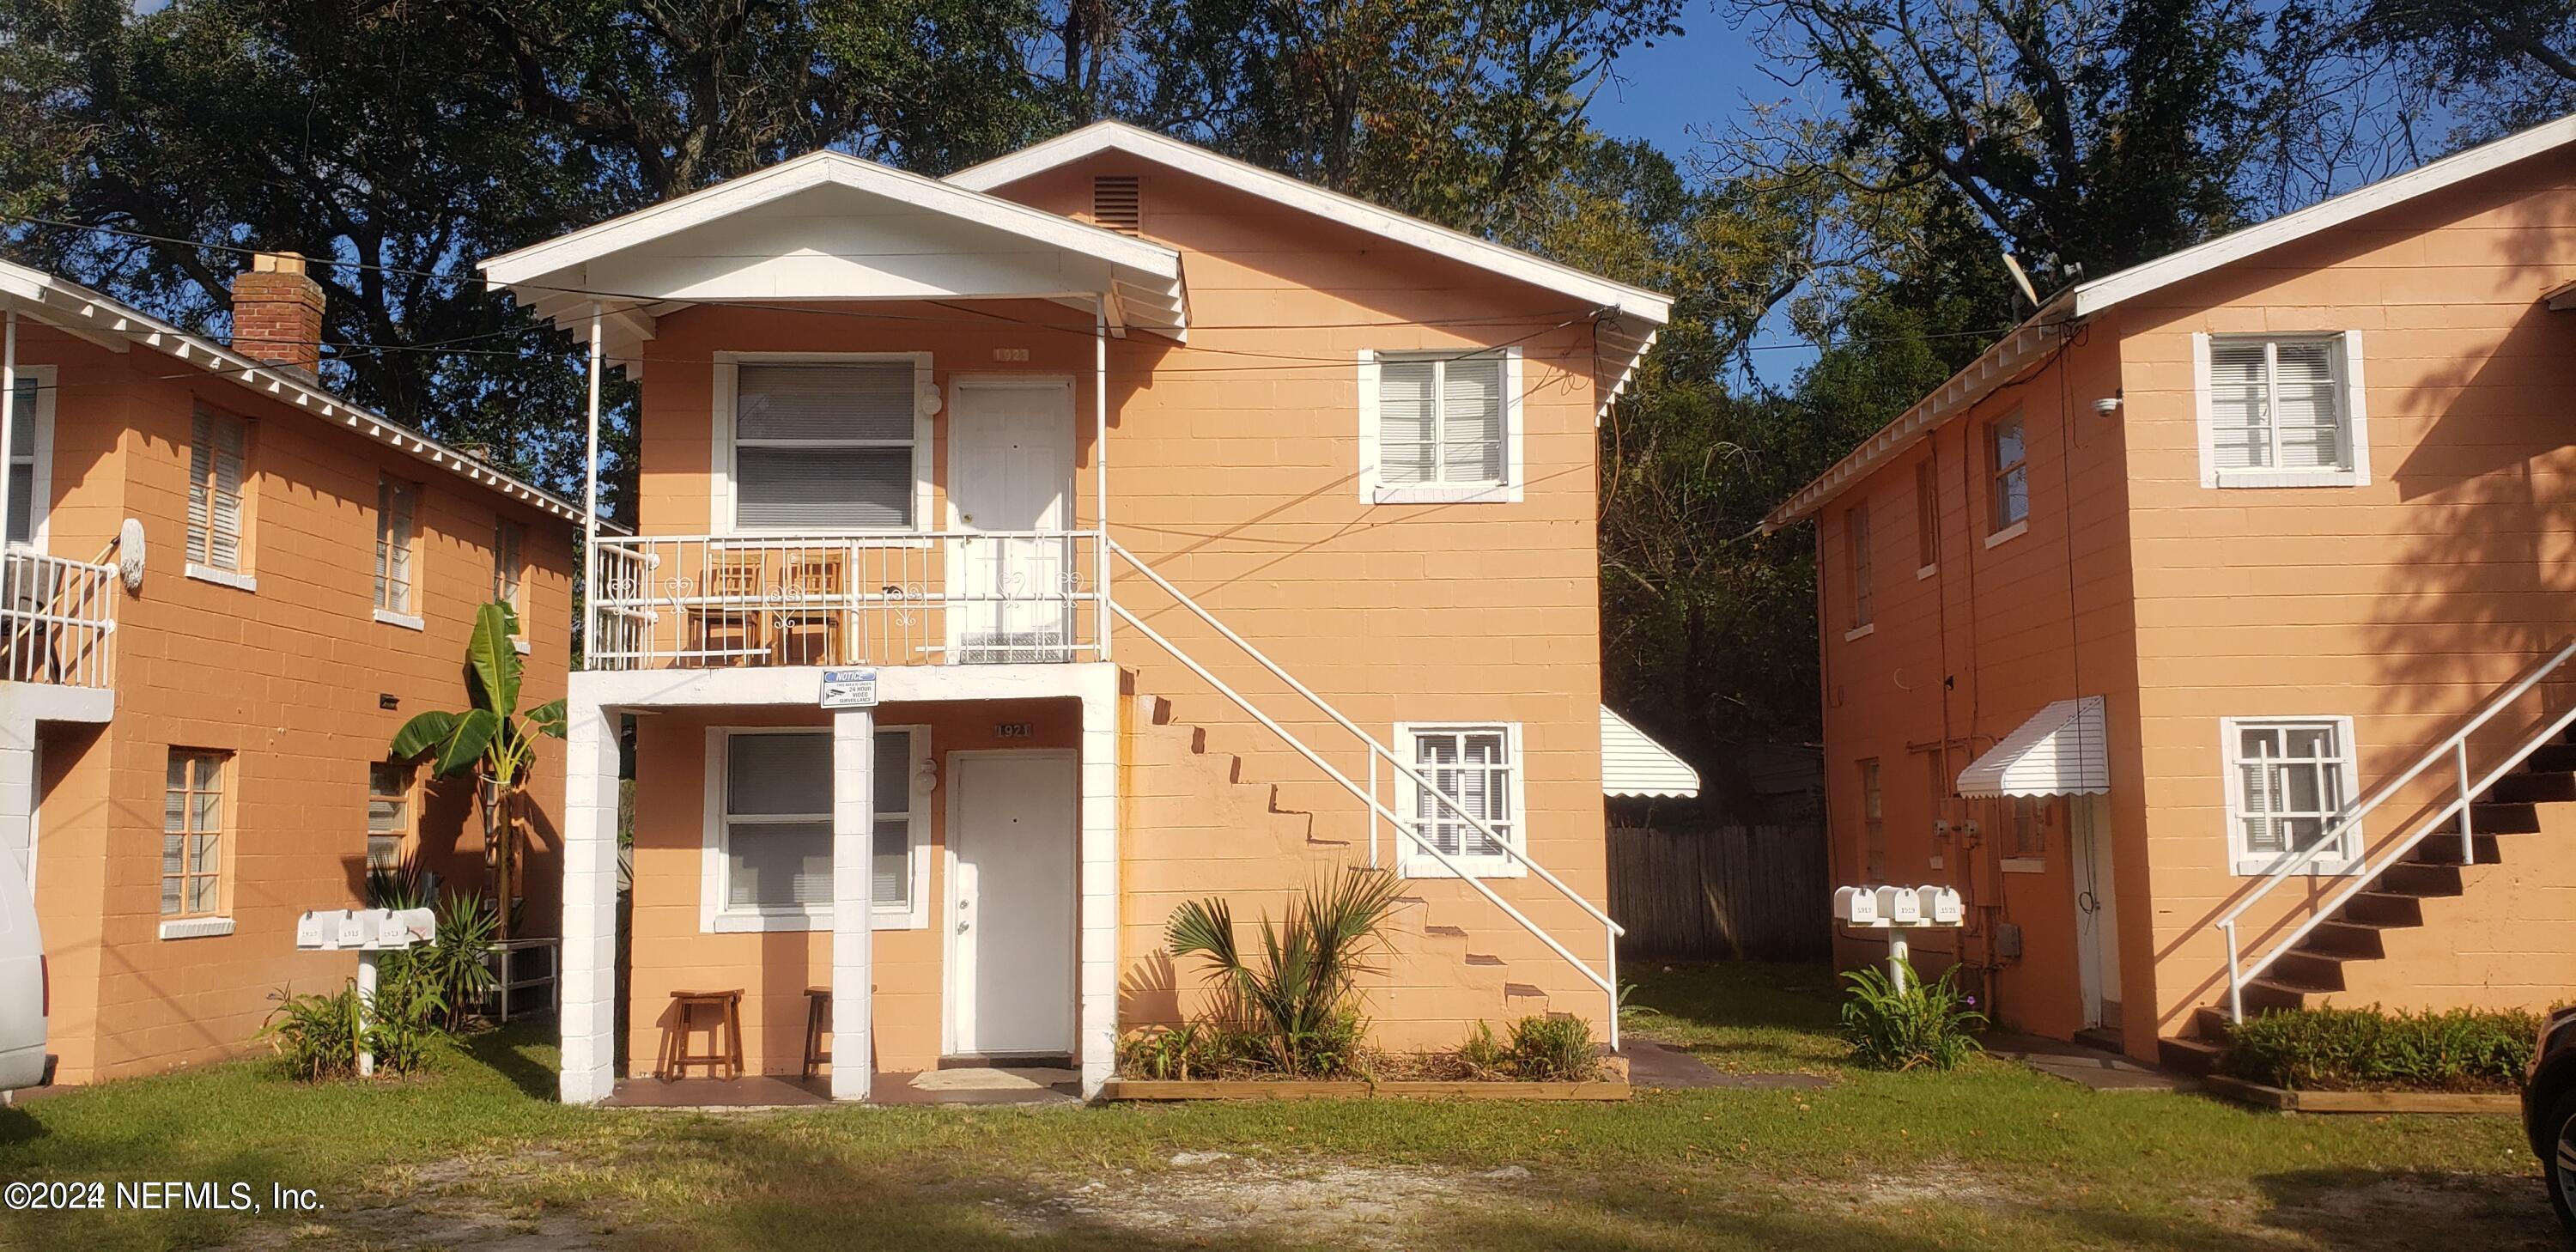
[1300,1000]
[493,740]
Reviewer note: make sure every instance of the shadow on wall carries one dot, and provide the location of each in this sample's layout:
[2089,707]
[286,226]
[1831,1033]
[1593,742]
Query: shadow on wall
[2470,579]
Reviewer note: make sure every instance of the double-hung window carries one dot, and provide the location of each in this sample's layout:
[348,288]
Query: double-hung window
[510,565]
[192,834]
[218,449]
[773,835]
[826,445]
[2281,410]
[397,503]
[1478,767]
[2288,783]
[1440,427]
[30,408]
[1856,533]
[388,813]
[2007,474]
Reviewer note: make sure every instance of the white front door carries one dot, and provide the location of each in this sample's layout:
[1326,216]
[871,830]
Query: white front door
[1010,472]
[1011,903]
[2097,929]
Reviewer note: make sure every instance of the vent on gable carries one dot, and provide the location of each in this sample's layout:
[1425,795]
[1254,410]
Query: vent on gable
[1115,203]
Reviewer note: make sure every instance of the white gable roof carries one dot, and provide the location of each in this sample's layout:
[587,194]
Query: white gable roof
[1631,315]
[829,226]
[1634,765]
[115,326]
[2062,750]
[2014,354]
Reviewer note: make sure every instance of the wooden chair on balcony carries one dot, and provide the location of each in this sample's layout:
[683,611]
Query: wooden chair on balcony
[732,629]
[812,595]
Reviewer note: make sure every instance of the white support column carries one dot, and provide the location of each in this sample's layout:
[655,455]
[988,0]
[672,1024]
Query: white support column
[589,974]
[1096,1042]
[9,410]
[18,788]
[589,500]
[1100,466]
[854,811]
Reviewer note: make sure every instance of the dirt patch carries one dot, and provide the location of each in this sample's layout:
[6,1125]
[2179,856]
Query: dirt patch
[2351,1208]
[433,1206]
[1326,1202]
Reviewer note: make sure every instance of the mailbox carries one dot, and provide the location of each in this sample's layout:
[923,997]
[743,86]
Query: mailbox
[1900,906]
[1857,906]
[1937,905]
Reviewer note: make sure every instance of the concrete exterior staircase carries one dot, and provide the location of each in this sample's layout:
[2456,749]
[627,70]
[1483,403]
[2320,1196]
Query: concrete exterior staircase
[1196,826]
[2394,902]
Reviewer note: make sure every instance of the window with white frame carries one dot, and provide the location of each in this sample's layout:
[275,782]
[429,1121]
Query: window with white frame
[510,564]
[1478,767]
[25,412]
[396,504]
[773,830]
[388,814]
[2007,472]
[2288,780]
[2281,410]
[1440,427]
[825,445]
[218,449]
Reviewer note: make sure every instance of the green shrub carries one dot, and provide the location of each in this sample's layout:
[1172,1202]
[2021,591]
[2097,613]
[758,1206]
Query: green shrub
[1300,1000]
[1552,1049]
[1192,1050]
[315,1034]
[2371,1050]
[1925,1023]
[452,966]
[1483,1054]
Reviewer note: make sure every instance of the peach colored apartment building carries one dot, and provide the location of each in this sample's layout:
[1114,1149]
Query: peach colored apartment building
[2177,631]
[1198,530]
[224,588]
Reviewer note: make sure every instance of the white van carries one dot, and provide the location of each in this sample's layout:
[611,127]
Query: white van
[23,993]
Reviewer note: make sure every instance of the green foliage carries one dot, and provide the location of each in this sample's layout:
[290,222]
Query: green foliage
[2371,1050]
[1483,1054]
[1924,1024]
[450,971]
[1191,1050]
[1300,1001]
[493,738]
[317,1035]
[1541,1048]
[403,1018]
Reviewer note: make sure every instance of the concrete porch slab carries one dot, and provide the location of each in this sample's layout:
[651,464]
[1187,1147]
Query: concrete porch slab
[779,1091]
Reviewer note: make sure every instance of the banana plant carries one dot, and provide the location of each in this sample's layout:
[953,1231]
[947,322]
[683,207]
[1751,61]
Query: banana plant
[493,741]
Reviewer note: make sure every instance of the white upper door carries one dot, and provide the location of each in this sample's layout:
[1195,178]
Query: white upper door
[1011,971]
[1010,473]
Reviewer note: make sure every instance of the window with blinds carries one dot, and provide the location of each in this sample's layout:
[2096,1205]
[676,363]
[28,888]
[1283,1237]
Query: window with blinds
[218,448]
[2278,404]
[824,446]
[1478,767]
[2289,779]
[510,564]
[777,834]
[22,462]
[396,503]
[1441,421]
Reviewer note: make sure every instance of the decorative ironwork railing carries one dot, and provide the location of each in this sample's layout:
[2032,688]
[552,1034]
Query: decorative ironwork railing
[57,619]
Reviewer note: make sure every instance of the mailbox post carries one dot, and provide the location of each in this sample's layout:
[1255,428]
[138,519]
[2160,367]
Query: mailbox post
[1897,910]
[371,933]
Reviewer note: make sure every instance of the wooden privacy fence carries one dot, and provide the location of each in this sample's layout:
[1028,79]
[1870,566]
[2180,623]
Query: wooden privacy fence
[1724,893]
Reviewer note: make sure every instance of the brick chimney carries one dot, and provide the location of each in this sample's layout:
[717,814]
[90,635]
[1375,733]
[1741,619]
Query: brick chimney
[277,313]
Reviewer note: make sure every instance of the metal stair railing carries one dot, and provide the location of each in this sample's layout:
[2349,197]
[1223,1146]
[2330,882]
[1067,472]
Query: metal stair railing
[1607,978]
[2456,747]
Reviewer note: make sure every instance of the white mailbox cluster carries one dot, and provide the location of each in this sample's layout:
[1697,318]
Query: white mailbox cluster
[1884,907]
[364,930]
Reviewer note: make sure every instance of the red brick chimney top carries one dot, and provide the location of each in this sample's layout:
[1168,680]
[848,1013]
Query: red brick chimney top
[277,313]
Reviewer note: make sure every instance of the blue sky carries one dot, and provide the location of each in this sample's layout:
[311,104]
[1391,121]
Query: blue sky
[1675,92]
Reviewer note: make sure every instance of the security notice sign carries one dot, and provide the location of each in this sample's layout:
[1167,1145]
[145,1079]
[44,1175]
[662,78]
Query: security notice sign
[849,688]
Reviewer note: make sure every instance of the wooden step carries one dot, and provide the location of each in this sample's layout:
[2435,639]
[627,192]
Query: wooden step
[2189,1056]
[2275,990]
[2418,879]
[2384,909]
[2208,1025]
[2306,969]
[2341,936]
[2497,819]
[2444,849]
[2528,786]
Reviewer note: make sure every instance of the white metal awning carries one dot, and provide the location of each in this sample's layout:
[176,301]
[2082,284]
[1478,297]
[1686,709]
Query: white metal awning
[1634,765]
[2060,751]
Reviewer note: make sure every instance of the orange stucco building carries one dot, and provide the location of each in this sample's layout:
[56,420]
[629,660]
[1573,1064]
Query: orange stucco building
[1192,526]
[206,655]
[2191,614]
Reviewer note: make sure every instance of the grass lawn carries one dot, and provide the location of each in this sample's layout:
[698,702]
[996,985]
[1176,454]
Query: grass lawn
[1993,1156]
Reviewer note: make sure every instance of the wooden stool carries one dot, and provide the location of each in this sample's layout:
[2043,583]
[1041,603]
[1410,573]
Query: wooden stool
[724,1039]
[818,1018]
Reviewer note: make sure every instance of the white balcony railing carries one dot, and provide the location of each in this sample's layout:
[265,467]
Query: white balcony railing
[57,617]
[935,598]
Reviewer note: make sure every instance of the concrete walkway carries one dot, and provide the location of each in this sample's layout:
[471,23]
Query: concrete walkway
[1664,1067]
[2086,1067]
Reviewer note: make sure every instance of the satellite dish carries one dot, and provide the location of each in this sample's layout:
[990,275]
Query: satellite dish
[129,554]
